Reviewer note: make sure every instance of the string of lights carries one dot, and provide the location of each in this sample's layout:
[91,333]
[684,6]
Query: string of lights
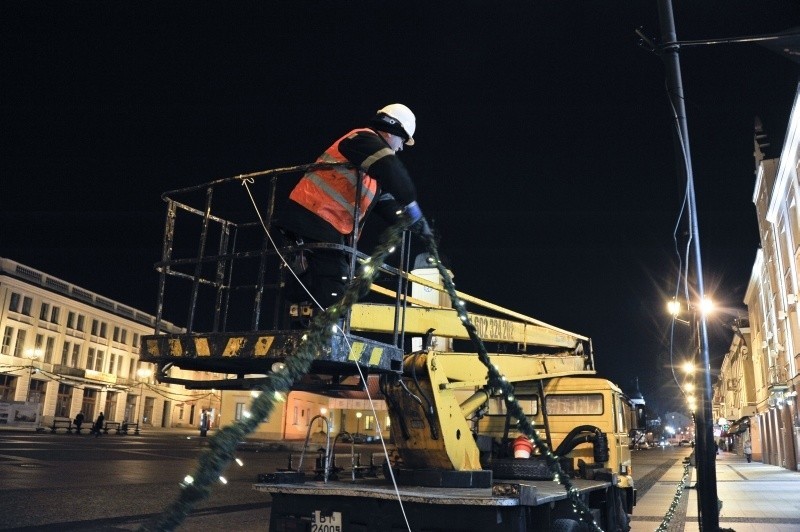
[196,487]
[220,453]
[499,381]
[676,499]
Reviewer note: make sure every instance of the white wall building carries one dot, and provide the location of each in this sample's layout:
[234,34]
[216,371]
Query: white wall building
[771,298]
[65,350]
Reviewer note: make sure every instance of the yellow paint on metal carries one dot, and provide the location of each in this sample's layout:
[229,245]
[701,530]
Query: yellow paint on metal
[175,347]
[233,346]
[201,347]
[262,345]
[375,356]
[381,318]
[153,348]
[409,299]
[356,351]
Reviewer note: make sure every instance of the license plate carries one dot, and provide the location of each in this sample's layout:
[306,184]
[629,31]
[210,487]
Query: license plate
[326,523]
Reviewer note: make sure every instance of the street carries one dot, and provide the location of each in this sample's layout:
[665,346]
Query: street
[70,482]
[79,482]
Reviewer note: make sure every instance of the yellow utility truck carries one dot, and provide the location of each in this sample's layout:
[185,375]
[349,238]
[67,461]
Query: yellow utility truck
[457,459]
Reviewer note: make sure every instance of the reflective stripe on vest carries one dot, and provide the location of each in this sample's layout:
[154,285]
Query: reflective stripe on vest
[330,193]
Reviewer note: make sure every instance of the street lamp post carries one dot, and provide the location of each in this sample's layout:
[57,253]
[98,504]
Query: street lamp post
[705,453]
[707,476]
[142,373]
[358,421]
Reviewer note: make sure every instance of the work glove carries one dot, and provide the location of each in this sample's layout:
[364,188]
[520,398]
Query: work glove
[421,228]
[417,222]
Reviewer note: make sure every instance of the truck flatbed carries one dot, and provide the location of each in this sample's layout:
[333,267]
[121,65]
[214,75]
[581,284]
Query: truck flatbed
[513,493]
[371,505]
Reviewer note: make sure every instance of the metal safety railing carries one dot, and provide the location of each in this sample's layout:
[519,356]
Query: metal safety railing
[222,259]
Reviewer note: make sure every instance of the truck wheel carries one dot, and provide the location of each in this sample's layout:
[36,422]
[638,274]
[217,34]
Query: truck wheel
[567,525]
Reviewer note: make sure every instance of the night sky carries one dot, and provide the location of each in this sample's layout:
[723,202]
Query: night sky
[544,146]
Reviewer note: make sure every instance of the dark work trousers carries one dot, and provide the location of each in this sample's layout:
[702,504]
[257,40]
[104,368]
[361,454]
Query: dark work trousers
[326,277]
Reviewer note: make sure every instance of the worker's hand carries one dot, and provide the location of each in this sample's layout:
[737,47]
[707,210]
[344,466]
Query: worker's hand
[412,212]
[417,222]
[421,228]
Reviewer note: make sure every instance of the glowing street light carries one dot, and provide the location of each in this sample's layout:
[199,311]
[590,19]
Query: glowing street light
[706,306]
[358,420]
[674,307]
[696,316]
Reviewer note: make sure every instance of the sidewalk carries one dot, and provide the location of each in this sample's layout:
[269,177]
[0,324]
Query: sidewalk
[755,497]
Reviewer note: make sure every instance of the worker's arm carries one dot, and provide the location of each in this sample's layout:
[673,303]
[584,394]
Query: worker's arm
[368,151]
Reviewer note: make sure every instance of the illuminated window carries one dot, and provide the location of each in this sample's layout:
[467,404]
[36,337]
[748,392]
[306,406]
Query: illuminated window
[528,403]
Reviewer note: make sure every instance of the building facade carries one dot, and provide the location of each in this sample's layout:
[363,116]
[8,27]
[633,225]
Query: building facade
[66,350]
[735,395]
[771,299]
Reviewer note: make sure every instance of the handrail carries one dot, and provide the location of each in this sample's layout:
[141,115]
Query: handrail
[327,465]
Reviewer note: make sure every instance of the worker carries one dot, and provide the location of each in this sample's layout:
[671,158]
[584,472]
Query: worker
[321,206]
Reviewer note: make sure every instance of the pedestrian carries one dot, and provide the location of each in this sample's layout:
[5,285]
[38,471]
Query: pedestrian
[748,451]
[203,422]
[98,425]
[78,422]
[322,206]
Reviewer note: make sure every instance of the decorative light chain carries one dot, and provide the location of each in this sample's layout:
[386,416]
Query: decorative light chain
[222,445]
[676,499]
[498,381]
[214,460]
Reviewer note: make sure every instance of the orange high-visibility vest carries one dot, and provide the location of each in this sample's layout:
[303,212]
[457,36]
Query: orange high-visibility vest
[331,194]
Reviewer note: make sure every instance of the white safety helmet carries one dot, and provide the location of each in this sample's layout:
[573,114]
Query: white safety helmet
[396,119]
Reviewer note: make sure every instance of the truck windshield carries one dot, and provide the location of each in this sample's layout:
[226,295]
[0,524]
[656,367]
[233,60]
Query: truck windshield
[575,404]
[528,403]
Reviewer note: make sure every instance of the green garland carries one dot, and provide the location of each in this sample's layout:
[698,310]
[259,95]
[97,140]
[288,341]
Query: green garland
[676,499]
[498,381]
[220,453]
